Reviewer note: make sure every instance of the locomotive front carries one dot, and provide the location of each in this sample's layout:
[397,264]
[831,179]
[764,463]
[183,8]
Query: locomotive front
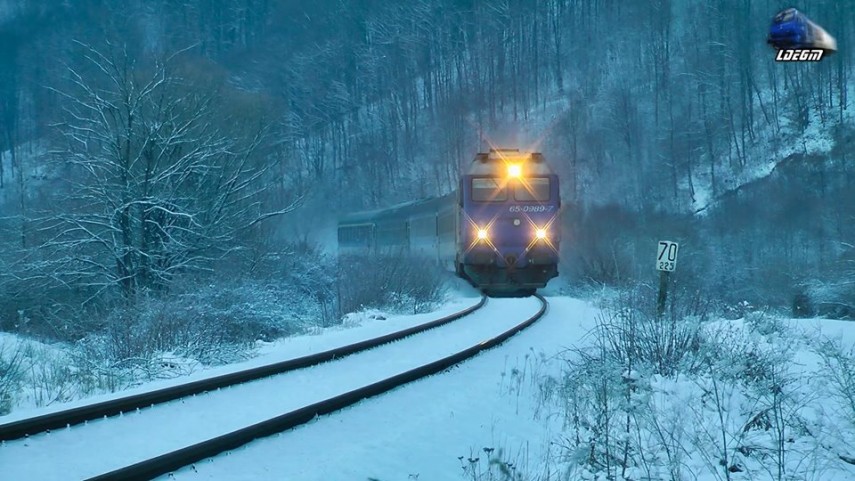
[508,209]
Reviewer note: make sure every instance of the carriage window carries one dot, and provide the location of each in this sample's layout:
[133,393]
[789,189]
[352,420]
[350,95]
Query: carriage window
[488,189]
[358,236]
[532,189]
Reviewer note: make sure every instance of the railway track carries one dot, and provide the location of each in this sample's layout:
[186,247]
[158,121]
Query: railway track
[171,461]
[153,442]
[70,417]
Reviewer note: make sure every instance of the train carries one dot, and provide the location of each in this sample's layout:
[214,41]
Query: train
[498,229]
[792,29]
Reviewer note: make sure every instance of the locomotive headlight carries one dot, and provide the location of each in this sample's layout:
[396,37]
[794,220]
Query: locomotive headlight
[540,233]
[514,170]
[483,234]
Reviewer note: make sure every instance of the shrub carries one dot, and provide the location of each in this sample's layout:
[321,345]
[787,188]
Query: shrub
[833,299]
[646,394]
[10,374]
[411,283]
[633,334]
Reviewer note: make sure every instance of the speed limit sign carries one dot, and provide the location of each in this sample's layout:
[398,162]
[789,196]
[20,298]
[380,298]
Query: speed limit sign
[666,256]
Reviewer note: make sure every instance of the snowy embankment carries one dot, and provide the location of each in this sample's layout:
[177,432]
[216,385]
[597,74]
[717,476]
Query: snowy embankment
[37,393]
[754,398]
[773,396]
[118,441]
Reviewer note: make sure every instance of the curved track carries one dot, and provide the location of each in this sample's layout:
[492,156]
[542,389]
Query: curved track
[171,461]
[61,419]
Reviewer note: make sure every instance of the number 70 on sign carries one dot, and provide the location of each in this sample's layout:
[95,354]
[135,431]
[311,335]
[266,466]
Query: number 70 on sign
[666,256]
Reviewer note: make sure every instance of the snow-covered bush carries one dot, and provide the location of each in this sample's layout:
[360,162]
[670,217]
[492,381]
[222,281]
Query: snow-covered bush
[606,390]
[833,298]
[307,274]
[636,336]
[405,283]
[687,397]
[839,372]
[212,323]
[50,375]
[761,322]
[10,374]
[737,310]
[491,464]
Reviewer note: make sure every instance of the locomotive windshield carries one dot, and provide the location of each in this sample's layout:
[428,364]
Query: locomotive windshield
[785,16]
[532,189]
[488,189]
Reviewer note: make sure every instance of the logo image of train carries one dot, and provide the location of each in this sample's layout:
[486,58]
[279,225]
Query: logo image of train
[791,29]
[498,230]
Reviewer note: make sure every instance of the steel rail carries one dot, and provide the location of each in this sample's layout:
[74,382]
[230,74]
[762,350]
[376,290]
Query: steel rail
[69,417]
[174,460]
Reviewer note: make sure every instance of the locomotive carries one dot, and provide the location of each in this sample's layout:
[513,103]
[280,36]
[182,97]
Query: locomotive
[497,230]
[792,29]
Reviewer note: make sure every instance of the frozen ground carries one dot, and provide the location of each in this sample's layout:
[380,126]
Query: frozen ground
[502,405]
[103,445]
[768,398]
[433,429]
[356,327]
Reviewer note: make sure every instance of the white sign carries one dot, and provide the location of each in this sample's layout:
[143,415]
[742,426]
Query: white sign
[666,256]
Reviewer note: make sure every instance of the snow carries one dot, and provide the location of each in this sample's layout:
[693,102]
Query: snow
[357,327]
[769,149]
[497,405]
[132,437]
[692,412]
[419,431]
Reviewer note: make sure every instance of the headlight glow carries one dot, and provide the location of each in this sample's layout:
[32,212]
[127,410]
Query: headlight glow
[483,234]
[540,233]
[514,170]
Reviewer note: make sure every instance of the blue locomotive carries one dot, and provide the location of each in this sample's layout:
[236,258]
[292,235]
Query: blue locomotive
[498,230]
[792,29]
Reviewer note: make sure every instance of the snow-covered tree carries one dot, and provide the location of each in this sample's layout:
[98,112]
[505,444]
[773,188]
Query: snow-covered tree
[158,186]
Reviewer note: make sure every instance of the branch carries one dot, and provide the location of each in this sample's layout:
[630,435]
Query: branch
[291,208]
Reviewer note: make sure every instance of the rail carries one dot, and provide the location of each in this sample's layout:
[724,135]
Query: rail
[168,462]
[69,417]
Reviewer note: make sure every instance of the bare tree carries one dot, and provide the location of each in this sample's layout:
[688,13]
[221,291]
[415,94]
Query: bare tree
[158,186]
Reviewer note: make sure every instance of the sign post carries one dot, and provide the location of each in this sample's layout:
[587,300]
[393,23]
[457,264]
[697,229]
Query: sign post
[666,263]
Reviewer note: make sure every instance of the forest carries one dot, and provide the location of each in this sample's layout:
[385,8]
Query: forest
[192,156]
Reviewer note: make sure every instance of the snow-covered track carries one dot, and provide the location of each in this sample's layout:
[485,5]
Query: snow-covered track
[61,419]
[171,461]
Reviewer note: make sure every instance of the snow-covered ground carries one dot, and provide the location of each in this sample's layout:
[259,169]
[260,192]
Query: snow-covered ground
[430,429]
[356,327]
[769,149]
[108,444]
[764,397]
[505,404]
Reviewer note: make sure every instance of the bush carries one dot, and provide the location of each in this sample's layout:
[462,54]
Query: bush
[211,324]
[10,374]
[833,299]
[634,335]
[605,391]
[648,396]
[408,283]
[309,276]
